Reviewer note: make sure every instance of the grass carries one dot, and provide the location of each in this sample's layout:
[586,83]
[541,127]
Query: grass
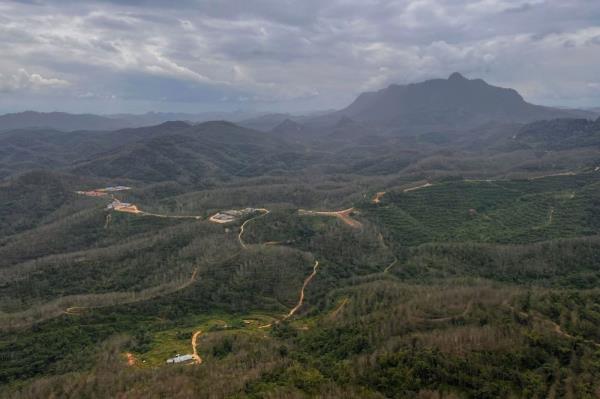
[168,343]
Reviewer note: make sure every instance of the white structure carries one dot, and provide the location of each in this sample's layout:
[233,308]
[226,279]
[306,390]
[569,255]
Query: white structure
[231,215]
[116,188]
[180,359]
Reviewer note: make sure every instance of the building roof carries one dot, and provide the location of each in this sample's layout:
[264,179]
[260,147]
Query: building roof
[180,358]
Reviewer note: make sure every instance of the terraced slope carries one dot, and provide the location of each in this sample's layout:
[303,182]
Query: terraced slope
[518,211]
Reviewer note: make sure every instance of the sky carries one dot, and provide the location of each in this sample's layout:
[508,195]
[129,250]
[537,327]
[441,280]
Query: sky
[286,56]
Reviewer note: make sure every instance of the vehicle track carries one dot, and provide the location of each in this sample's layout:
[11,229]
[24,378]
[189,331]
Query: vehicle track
[339,308]
[387,269]
[265,212]
[78,310]
[300,300]
[449,318]
[555,327]
[425,185]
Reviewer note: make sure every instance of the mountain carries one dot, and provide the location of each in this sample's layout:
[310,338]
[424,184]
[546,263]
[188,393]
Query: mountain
[182,152]
[453,103]
[59,121]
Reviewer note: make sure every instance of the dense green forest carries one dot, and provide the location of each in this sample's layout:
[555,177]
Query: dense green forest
[473,275]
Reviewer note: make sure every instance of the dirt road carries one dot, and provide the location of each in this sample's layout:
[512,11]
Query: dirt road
[197,358]
[339,308]
[78,310]
[377,198]
[555,327]
[301,300]
[450,318]
[158,215]
[264,213]
[387,269]
[343,215]
[553,175]
[550,216]
[131,360]
[75,310]
[406,190]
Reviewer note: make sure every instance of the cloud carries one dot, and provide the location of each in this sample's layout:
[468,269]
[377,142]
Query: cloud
[23,80]
[291,54]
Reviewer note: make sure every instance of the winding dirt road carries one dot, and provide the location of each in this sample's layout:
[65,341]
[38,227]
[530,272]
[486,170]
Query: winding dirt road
[264,213]
[197,358]
[78,310]
[301,299]
[556,328]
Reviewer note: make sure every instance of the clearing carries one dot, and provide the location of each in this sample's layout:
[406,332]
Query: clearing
[377,198]
[343,215]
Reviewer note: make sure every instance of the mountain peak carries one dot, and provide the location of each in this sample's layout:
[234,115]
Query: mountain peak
[456,76]
[455,103]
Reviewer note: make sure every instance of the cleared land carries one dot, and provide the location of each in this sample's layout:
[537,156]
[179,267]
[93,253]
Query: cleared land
[343,215]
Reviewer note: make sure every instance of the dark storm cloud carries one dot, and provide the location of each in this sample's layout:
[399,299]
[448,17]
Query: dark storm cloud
[289,54]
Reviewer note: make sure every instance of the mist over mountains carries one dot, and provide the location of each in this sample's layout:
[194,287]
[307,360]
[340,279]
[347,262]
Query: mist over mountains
[453,103]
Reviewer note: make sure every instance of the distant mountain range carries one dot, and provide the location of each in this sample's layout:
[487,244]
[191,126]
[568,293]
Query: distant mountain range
[456,103]
[67,122]
[59,121]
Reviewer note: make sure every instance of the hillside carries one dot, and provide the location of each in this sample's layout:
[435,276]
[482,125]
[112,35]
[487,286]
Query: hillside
[392,295]
[178,151]
[561,134]
[33,198]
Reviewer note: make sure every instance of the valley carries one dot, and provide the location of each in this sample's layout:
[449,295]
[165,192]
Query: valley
[342,254]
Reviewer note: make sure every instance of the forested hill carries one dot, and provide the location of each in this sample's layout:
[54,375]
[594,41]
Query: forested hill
[212,150]
[561,134]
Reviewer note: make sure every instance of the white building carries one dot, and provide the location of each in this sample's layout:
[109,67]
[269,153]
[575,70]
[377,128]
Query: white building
[180,359]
